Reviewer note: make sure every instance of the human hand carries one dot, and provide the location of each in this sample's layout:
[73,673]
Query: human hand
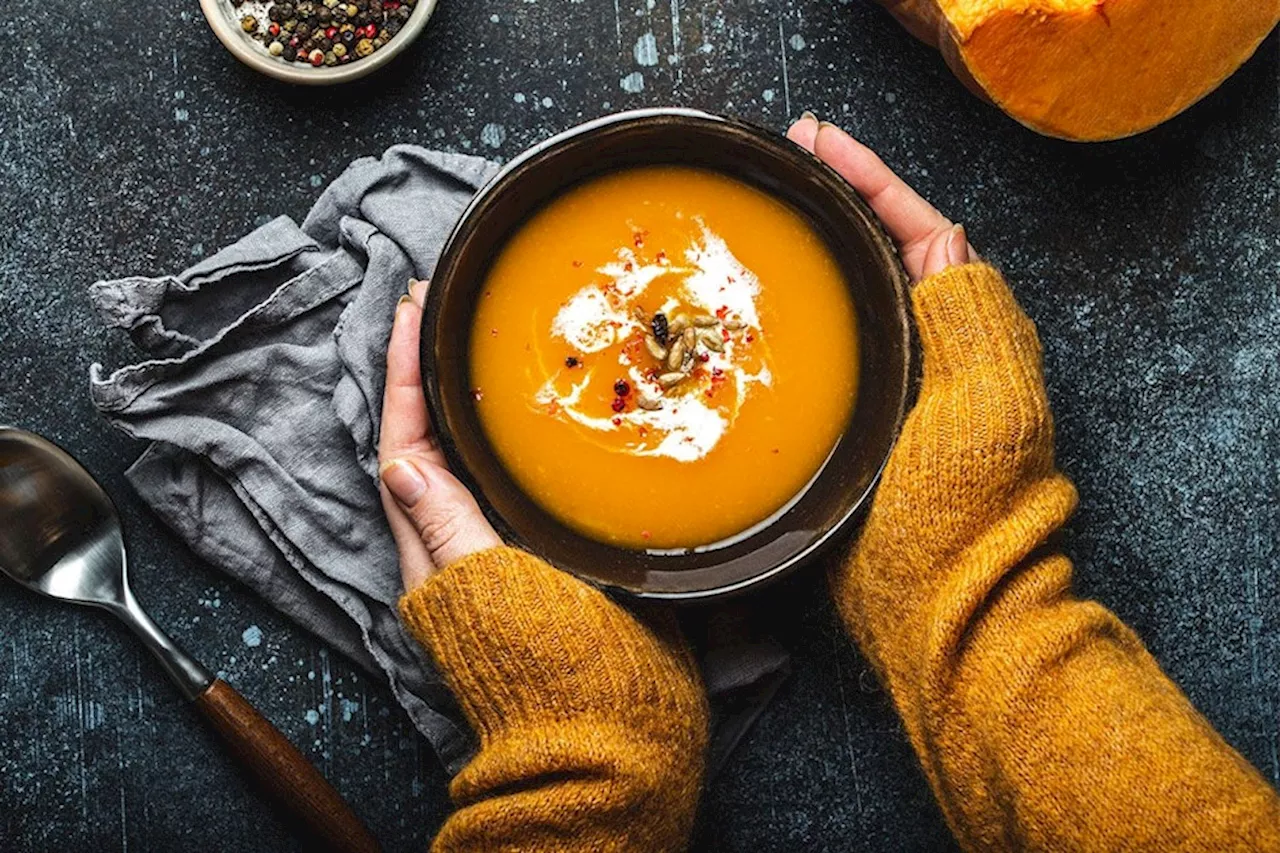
[981,428]
[927,241]
[434,519]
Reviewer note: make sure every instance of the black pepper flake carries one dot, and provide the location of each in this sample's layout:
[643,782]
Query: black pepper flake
[659,326]
[571,361]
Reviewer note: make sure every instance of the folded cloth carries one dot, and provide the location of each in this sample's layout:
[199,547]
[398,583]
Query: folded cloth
[261,399]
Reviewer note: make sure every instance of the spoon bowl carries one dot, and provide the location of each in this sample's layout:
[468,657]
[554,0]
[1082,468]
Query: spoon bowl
[60,536]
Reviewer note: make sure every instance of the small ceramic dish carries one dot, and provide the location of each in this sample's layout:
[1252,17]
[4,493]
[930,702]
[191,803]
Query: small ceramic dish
[828,508]
[225,21]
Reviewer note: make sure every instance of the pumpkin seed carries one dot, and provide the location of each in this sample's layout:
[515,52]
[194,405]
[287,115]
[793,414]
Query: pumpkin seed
[670,380]
[706,320]
[656,349]
[711,340]
[675,356]
[690,339]
[638,313]
[733,324]
[648,402]
[678,324]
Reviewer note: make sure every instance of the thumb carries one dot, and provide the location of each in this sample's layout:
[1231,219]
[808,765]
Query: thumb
[444,513]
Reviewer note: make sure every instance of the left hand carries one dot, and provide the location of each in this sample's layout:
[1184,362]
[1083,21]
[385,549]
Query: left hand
[434,519]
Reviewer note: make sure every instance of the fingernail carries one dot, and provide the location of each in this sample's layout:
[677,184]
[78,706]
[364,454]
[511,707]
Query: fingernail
[418,292]
[808,115]
[404,481]
[400,303]
[958,246]
[826,125]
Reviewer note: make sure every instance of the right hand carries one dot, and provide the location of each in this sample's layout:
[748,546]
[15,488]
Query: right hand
[927,241]
[981,423]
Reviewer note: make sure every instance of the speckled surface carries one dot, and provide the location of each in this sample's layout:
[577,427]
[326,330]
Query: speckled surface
[132,142]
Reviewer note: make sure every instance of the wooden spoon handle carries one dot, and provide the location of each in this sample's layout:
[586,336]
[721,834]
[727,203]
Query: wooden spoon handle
[289,779]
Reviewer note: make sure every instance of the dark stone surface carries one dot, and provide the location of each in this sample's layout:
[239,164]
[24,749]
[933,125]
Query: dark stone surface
[131,142]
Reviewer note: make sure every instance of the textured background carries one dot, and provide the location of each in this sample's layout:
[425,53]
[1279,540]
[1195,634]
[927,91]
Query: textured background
[131,142]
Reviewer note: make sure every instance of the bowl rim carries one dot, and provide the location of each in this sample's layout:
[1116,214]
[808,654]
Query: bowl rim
[879,240]
[235,40]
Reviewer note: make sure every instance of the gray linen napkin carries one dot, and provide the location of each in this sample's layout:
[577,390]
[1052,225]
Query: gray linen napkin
[261,397]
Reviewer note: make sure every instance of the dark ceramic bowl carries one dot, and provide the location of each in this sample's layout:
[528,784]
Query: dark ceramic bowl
[829,507]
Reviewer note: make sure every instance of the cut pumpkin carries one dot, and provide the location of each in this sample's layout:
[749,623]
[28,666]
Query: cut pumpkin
[1091,70]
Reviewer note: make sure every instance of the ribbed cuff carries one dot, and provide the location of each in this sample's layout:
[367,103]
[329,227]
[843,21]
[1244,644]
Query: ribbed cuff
[522,644]
[968,319]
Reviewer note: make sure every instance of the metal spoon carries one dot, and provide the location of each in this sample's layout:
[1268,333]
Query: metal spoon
[60,536]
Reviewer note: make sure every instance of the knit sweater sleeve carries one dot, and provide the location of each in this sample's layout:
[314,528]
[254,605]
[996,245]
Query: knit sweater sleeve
[1041,721]
[592,723]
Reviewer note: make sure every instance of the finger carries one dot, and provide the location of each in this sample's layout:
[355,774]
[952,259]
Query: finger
[804,131]
[910,220]
[404,407]
[415,563]
[446,516]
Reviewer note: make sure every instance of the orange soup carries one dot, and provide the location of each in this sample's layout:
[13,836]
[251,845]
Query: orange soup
[663,357]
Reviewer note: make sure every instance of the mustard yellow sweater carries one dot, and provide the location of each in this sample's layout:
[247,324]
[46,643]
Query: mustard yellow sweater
[592,722]
[1040,720]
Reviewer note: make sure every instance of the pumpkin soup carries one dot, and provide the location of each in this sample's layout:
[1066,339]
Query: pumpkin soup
[663,357]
